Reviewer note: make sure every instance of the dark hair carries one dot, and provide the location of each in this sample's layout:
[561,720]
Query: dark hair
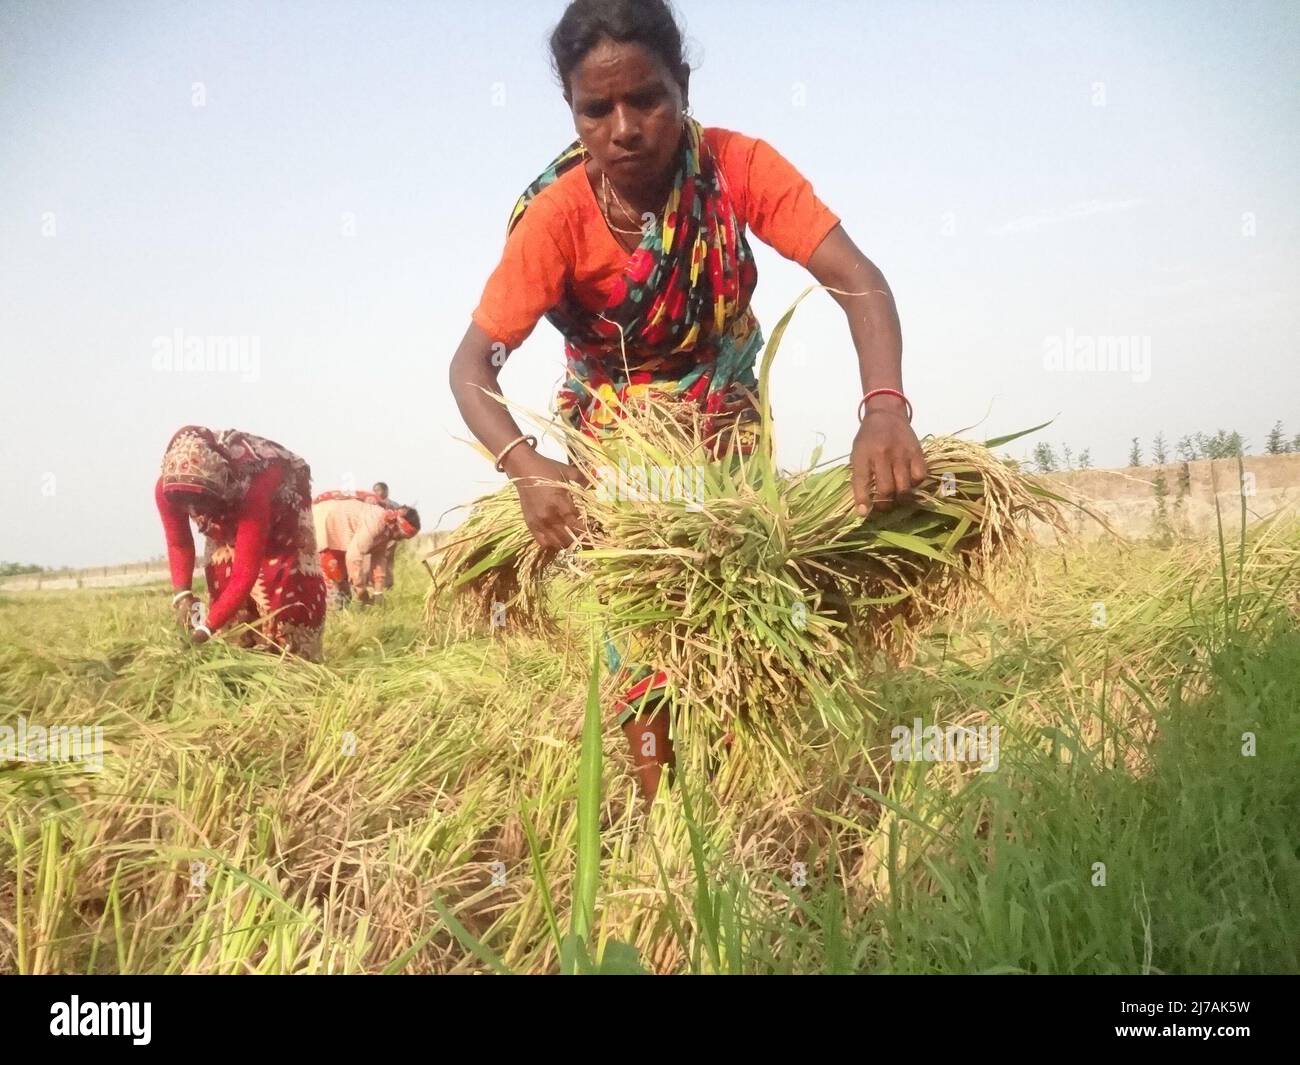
[646,22]
[193,498]
[411,515]
[381,484]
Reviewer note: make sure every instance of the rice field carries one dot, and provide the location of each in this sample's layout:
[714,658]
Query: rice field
[431,802]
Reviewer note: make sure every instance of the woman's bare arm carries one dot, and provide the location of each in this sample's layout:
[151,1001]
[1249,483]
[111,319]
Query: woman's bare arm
[873,318]
[475,369]
[549,511]
[886,453]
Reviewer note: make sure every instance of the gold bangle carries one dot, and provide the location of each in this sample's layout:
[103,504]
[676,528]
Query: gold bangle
[532,442]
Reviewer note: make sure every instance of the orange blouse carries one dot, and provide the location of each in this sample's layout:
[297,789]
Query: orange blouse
[563,238]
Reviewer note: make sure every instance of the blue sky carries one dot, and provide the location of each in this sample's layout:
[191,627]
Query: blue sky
[1027,175]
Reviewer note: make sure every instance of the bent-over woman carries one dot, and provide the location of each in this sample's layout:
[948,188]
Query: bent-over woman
[251,499]
[357,535]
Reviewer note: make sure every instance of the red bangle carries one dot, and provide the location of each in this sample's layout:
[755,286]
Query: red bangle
[862,407]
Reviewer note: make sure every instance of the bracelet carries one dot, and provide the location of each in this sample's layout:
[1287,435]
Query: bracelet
[181,595]
[203,629]
[532,442]
[862,407]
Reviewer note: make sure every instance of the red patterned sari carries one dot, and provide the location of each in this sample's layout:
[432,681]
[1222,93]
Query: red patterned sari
[251,499]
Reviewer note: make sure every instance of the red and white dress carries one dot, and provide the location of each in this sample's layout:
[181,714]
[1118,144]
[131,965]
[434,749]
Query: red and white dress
[260,560]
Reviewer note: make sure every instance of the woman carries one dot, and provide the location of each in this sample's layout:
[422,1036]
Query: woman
[358,534]
[377,494]
[636,233]
[251,499]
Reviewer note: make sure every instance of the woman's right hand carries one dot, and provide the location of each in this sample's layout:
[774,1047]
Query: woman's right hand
[549,510]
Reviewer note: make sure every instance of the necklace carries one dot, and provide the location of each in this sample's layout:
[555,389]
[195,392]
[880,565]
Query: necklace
[606,190]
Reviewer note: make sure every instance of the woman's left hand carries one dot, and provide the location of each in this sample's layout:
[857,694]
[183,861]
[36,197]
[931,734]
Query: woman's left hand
[181,608]
[886,454]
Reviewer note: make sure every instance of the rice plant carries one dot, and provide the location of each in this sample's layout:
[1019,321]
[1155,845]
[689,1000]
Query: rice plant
[760,592]
[414,805]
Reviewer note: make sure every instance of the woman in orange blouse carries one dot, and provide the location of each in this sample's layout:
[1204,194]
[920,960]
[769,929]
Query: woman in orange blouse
[632,243]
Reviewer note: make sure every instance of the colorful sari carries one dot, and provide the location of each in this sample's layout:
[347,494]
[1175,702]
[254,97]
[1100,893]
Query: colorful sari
[678,325]
[285,610]
[677,328]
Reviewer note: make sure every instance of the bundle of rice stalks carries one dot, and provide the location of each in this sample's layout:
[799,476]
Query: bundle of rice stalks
[761,593]
[488,575]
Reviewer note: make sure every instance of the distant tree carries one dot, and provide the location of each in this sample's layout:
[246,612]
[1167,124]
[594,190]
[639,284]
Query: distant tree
[1044,458]
[1295,444]
[1164,531]
[1276,443]
[1222,445]
[13,569]
[1067,457]
[1135,453]
[1188,450]
[1184,484]
[1085,459]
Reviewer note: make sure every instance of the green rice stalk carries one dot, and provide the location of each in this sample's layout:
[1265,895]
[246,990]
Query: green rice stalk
[490,567]
[761,593]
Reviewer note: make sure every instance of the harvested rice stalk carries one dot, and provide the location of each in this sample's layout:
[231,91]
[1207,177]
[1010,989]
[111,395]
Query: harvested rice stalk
[751,601]
[489,572]
[761,594]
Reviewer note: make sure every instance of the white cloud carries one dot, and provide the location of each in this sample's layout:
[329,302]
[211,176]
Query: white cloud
[1028,223]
